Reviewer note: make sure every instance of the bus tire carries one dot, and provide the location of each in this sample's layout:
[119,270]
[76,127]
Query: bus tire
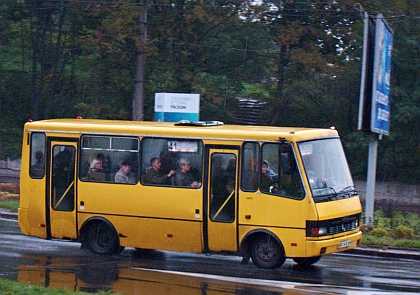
[267,253]
[101,238]
[306,261]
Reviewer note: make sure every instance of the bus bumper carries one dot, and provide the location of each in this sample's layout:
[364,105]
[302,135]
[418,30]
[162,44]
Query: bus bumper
[321,247]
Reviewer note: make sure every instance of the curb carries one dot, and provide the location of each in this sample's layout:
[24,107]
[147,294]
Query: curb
[8,215]
[368,251]
[413,254]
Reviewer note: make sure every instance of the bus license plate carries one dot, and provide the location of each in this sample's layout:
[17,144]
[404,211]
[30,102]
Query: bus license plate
[344,244]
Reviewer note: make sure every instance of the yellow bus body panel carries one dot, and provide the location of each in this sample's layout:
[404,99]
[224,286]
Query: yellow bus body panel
[149,217]
[339,208]
[333,245]
[270,210]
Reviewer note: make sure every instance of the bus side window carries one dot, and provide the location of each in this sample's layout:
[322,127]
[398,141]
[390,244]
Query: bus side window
[162,157]
[280,175]
[250,164]
[37,160]
[102,157]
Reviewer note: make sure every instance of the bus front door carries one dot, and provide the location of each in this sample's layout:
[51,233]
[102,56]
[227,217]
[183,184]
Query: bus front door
[61,213]
[221,200]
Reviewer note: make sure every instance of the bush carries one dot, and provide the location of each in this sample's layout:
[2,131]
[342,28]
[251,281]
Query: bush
[379,232]
[402,232]
[12,188]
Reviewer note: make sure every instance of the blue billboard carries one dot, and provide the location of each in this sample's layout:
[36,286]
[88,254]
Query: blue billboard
[381,86]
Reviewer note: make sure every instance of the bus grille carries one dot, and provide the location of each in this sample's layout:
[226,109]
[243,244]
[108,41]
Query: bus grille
[340,228]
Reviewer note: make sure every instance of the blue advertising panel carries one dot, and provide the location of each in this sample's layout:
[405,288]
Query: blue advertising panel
[381,78]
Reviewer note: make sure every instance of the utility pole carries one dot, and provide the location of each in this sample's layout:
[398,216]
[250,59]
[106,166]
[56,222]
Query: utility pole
[138,99]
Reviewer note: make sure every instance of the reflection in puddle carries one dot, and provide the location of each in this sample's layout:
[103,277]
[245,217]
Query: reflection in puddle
[110,276]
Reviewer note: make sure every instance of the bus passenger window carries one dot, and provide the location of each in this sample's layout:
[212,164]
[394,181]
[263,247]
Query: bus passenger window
[250,165]
[279,173]
[165,162]
[37,161]
[102,158]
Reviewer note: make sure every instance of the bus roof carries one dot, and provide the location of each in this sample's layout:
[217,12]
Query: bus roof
[165,129]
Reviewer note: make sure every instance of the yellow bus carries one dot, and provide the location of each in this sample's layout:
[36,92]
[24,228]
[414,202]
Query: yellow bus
[265,193]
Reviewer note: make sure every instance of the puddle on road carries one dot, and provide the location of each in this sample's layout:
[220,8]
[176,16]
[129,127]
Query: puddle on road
[111,276]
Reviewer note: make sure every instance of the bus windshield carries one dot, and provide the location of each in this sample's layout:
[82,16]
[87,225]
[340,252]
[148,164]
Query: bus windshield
[327,170]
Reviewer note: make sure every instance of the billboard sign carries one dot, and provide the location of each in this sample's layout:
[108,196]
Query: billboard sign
[174,107]
[381,86]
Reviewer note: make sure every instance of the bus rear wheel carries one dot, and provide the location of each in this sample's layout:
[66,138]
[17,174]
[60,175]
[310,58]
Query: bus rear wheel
[101,238]
[267,253]
[306,261]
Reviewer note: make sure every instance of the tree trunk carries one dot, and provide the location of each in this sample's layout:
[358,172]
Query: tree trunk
[138,99]
[280,84]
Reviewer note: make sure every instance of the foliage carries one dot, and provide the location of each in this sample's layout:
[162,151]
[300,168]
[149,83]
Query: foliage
[69,58]
[15,288]
[393,228]
[10,205]
[13,188]
[403,232]
[9,196]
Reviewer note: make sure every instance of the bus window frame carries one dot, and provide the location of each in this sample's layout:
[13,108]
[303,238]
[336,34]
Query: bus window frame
[145,159]
[244,166]
[108,151]
[35,172]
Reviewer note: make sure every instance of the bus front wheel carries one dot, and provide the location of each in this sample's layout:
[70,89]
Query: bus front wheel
[267,253]
[101,238]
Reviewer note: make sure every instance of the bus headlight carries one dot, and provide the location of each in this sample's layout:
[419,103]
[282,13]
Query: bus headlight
[319,231]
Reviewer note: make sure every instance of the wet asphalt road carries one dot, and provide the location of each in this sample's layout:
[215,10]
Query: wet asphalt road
[58,264]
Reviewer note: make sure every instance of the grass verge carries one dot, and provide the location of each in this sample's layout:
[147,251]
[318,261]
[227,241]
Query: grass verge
[8,287]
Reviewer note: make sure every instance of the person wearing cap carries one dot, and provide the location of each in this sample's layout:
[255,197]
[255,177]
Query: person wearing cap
[124,175]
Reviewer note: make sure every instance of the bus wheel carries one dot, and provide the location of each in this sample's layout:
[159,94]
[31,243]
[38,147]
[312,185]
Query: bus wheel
[306,261]
[101,238]
[267,253]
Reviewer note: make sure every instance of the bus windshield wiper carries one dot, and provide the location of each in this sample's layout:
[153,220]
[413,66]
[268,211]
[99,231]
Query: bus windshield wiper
[347,191]
[324,194]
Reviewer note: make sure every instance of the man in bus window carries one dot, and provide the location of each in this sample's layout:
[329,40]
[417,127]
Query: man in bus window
[153,175]
[124,175]
[184,177]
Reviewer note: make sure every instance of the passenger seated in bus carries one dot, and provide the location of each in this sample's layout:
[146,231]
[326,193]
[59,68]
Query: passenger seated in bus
[153,175]
[219,179]
[124,175]
[231,169]
[95,171]
[184,177]
[274,177]
[39,164]
[106,163]
[37,170]
[265,179]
